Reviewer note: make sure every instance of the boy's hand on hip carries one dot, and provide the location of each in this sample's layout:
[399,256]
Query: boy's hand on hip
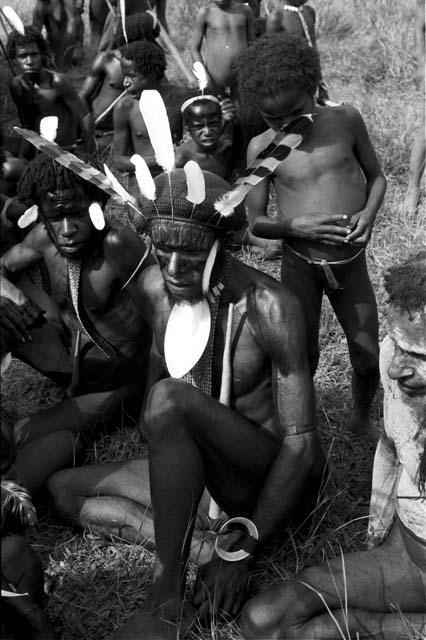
[362,226]
[321,227]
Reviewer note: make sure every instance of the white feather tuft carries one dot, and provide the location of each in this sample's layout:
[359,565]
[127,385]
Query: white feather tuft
[195,182]
[28,217]
[208,267]
[154,113]
[144,178]
[97,216]
[49,127]
[6,360]
[123,19]
[16,501]
[199,71]
[14,20]
[227,203]
[118,188]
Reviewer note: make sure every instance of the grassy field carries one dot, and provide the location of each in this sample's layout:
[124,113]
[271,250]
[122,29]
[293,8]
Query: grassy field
[367,60]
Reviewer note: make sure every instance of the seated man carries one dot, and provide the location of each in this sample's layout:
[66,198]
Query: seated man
[38,92]
[383,589]
[95,342]
[238,334]
[211,140]
[105,81]
[143,65]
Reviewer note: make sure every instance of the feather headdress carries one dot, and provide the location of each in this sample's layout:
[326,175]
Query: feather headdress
[195,182]
[144,178]
[265,162]
[14,20]
[199,71]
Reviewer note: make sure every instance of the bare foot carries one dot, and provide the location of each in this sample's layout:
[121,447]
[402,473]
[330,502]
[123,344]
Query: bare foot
[153,622]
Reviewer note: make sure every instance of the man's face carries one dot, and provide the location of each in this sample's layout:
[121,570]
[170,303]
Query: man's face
[281,109]
[66,212]
[134,81]
[204,125]
[29,60]
[408,364]
[182,270]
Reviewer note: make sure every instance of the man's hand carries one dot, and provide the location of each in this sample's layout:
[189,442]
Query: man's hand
[17,320]
[321,227]
[229,109]
[223,586]
[361,225]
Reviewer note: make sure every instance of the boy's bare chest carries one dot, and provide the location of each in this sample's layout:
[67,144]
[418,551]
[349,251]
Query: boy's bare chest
[137,123]
[43,100]
[223,26]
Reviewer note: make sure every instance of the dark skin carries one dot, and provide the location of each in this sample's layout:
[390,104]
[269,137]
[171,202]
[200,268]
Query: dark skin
[226,28]
[104,83]
[272,390]
[130,132]
[38,92]
[64,27]
[114,312]
[207,146]
[289,21]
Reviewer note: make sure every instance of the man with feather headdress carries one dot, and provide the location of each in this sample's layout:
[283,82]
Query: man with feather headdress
[224,334]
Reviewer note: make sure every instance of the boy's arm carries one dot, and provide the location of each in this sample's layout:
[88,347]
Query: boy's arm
[76,105]
[121,138]
[93,83]
[363,221]
[161,13]
[198,35]
[180,156]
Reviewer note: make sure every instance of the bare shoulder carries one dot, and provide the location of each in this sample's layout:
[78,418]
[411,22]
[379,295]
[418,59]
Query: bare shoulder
[203,13]
[61,82]
[121,242]
[125,105]
[100,61]
[182,154]
[244,9]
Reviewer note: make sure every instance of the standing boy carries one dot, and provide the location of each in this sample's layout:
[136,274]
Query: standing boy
[329,190]
[38,92]
[226,27]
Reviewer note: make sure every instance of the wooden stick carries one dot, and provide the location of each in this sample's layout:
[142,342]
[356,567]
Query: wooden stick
[102,115]
[225,388]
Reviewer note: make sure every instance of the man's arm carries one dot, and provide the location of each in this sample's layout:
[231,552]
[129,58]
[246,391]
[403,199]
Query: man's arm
[76,105]
[93,83]
[363,221]
[121,137]
[198,35]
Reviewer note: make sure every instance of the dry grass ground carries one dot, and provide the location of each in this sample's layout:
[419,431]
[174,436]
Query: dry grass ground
[368,60]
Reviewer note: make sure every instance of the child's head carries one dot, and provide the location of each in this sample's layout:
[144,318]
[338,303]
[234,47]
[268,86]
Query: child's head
[143,64]
[139,26]
[279,74]
[203,118]
[28,51]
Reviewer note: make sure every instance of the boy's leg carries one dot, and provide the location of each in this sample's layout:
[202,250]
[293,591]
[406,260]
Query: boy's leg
[358,590]
[301,278]
[356,309]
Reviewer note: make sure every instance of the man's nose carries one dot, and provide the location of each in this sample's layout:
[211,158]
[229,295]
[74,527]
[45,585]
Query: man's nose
[174,266]
[126,82]
[67,227]
[400,368]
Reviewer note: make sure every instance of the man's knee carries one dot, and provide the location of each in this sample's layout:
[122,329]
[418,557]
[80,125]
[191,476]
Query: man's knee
[166,406]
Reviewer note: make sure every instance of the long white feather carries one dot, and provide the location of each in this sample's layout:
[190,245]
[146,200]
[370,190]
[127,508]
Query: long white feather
[49,127]
[118,188]
[14,20]
[144,178]
[195,182]
[28,217]
[208,267]
[97,216]
[154,113]
[199,71]
[226,204]
[123,19]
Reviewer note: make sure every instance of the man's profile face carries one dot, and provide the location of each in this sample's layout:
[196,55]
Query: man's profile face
[29,60]
[408,364]
[66,213]
[182,270]
[280,109]
[205,125]
[134,81]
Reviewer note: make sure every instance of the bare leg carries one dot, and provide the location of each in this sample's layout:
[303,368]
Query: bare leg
[356,309]
[416,170]
[367,584]
[190,436]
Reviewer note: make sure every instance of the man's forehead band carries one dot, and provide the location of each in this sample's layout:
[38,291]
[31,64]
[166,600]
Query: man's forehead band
[190,101]
[183,233]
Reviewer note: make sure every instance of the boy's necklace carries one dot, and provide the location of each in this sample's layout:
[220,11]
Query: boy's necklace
[299,10]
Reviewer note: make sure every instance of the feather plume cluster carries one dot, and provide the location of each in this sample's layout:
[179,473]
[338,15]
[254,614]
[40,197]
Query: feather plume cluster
[154,113]
[195,182]
[144,178]
[199,71]
[14,20]
[117,187]
[16,502]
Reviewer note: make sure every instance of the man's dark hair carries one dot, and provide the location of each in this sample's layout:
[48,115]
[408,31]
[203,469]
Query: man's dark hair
[139,26]
[147,57]
[405,283]
[44,174]
[210,104]
[32,36]
[275,63]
